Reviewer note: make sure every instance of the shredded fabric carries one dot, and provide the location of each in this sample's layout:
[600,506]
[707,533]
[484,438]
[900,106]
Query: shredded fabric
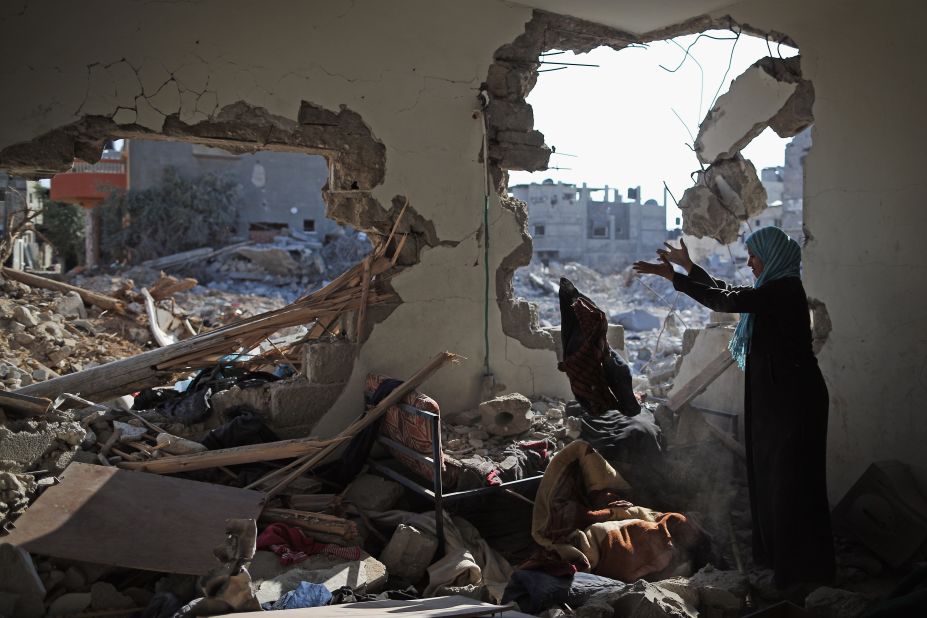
[294,546]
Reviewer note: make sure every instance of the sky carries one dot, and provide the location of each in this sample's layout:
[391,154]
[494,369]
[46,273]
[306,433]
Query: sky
[615,124]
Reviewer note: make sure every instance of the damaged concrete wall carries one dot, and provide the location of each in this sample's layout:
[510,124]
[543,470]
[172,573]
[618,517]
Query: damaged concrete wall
[864,194]
[410,71]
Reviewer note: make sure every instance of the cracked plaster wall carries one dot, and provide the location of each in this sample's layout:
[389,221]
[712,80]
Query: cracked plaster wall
[864,194]
[410,69]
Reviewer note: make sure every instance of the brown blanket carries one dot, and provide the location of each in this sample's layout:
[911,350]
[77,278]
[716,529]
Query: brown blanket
[579,519]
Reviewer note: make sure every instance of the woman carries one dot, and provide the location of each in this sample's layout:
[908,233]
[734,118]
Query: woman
[785,404]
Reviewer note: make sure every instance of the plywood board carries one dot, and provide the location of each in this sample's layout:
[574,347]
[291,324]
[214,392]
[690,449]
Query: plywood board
[132,519]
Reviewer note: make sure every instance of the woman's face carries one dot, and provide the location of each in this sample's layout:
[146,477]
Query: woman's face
[755,264]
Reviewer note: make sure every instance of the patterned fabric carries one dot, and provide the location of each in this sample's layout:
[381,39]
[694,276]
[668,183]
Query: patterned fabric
[781,257]
[584,367]
[293,545]
[413,432]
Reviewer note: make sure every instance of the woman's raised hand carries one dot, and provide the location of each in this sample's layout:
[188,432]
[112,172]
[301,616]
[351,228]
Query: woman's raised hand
[662,268]
[678,255]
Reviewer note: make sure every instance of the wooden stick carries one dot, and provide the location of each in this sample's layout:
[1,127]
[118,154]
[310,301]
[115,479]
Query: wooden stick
[91,298]
[24,404]
[251,453]
[691,389]
[398,393]
[365,294]
[317,522]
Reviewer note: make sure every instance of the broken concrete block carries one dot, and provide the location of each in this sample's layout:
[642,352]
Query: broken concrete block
[409,553]
[271,580]
[71,305]
[22,315]
[174,445]
[636,320]
[293,402]
[18,576]
[738,186]
[744,111]
[273,260]
[638,600]
[373,493]
[720,592]
[70,604]
[703,214]
[836,603]
[506,415]
[328,362]
[105,596]
[129,433]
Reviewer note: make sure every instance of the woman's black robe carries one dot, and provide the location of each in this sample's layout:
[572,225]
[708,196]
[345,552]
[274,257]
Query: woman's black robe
[785,425]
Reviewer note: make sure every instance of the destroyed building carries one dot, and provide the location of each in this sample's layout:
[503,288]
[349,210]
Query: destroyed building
[595,227]
[280,190]
[419,109]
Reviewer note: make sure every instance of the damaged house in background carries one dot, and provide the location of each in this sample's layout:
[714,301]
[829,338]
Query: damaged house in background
[398,432]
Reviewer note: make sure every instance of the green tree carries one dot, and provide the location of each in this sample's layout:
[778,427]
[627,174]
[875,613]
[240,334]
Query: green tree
[63,226]
[178,215]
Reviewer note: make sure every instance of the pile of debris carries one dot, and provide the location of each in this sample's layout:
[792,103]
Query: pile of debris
[49,334]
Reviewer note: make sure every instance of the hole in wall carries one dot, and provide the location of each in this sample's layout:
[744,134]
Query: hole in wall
[516,145]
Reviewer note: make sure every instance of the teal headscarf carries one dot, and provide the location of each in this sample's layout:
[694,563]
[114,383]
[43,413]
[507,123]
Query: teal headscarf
[781,257]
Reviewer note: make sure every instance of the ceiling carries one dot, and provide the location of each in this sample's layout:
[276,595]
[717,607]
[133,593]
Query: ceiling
[635,16]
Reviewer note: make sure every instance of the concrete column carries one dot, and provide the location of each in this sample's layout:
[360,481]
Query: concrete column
[91,237]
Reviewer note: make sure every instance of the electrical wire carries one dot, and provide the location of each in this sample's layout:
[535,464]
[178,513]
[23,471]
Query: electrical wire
[483,121]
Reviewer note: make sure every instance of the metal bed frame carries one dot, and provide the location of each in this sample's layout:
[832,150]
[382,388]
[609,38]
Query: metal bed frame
[436,492]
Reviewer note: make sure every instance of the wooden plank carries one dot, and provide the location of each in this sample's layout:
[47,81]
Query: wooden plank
[434,607]
[24,404]
[269,451]
[691,389]
[365,294]
[725,439]
[308,461]
[127,519]
[91,298]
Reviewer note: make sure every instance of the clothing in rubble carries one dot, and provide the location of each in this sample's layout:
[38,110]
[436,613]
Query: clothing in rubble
[785,420]
[347,594]
[599,378]
[244,425]
[631,444]
[306,594]
[293,545]
[535,591]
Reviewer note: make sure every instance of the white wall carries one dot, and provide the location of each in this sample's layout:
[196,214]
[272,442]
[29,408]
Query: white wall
[864,206]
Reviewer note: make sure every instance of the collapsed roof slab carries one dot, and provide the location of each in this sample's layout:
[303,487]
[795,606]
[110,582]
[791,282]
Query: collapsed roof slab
[754,99]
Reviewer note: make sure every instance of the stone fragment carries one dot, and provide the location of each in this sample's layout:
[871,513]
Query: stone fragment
[328,362]
[409,553]
[720,591]
[22,315]
[70,305]
[507,415]
[70,604]
[738,186]
[703,214]
[638,600]
[828,602]
[18,576]
[271,580]
[74,579]
[636,320]
[23,339]
[745,110]
[130,433]
[105,596]
[273,260]
[174,445]
[373,493]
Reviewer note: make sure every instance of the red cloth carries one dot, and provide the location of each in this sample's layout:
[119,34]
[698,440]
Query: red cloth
[293,545]
[584,366]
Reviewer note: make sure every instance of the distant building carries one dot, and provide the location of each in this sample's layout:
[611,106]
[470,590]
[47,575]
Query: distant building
[17,197]
[785,189]
[595,227]
[279,189]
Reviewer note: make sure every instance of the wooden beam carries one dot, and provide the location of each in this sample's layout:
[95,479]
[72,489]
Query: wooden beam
[691,389]
[24,404]
[269,451]
[91,298]
[308,461]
